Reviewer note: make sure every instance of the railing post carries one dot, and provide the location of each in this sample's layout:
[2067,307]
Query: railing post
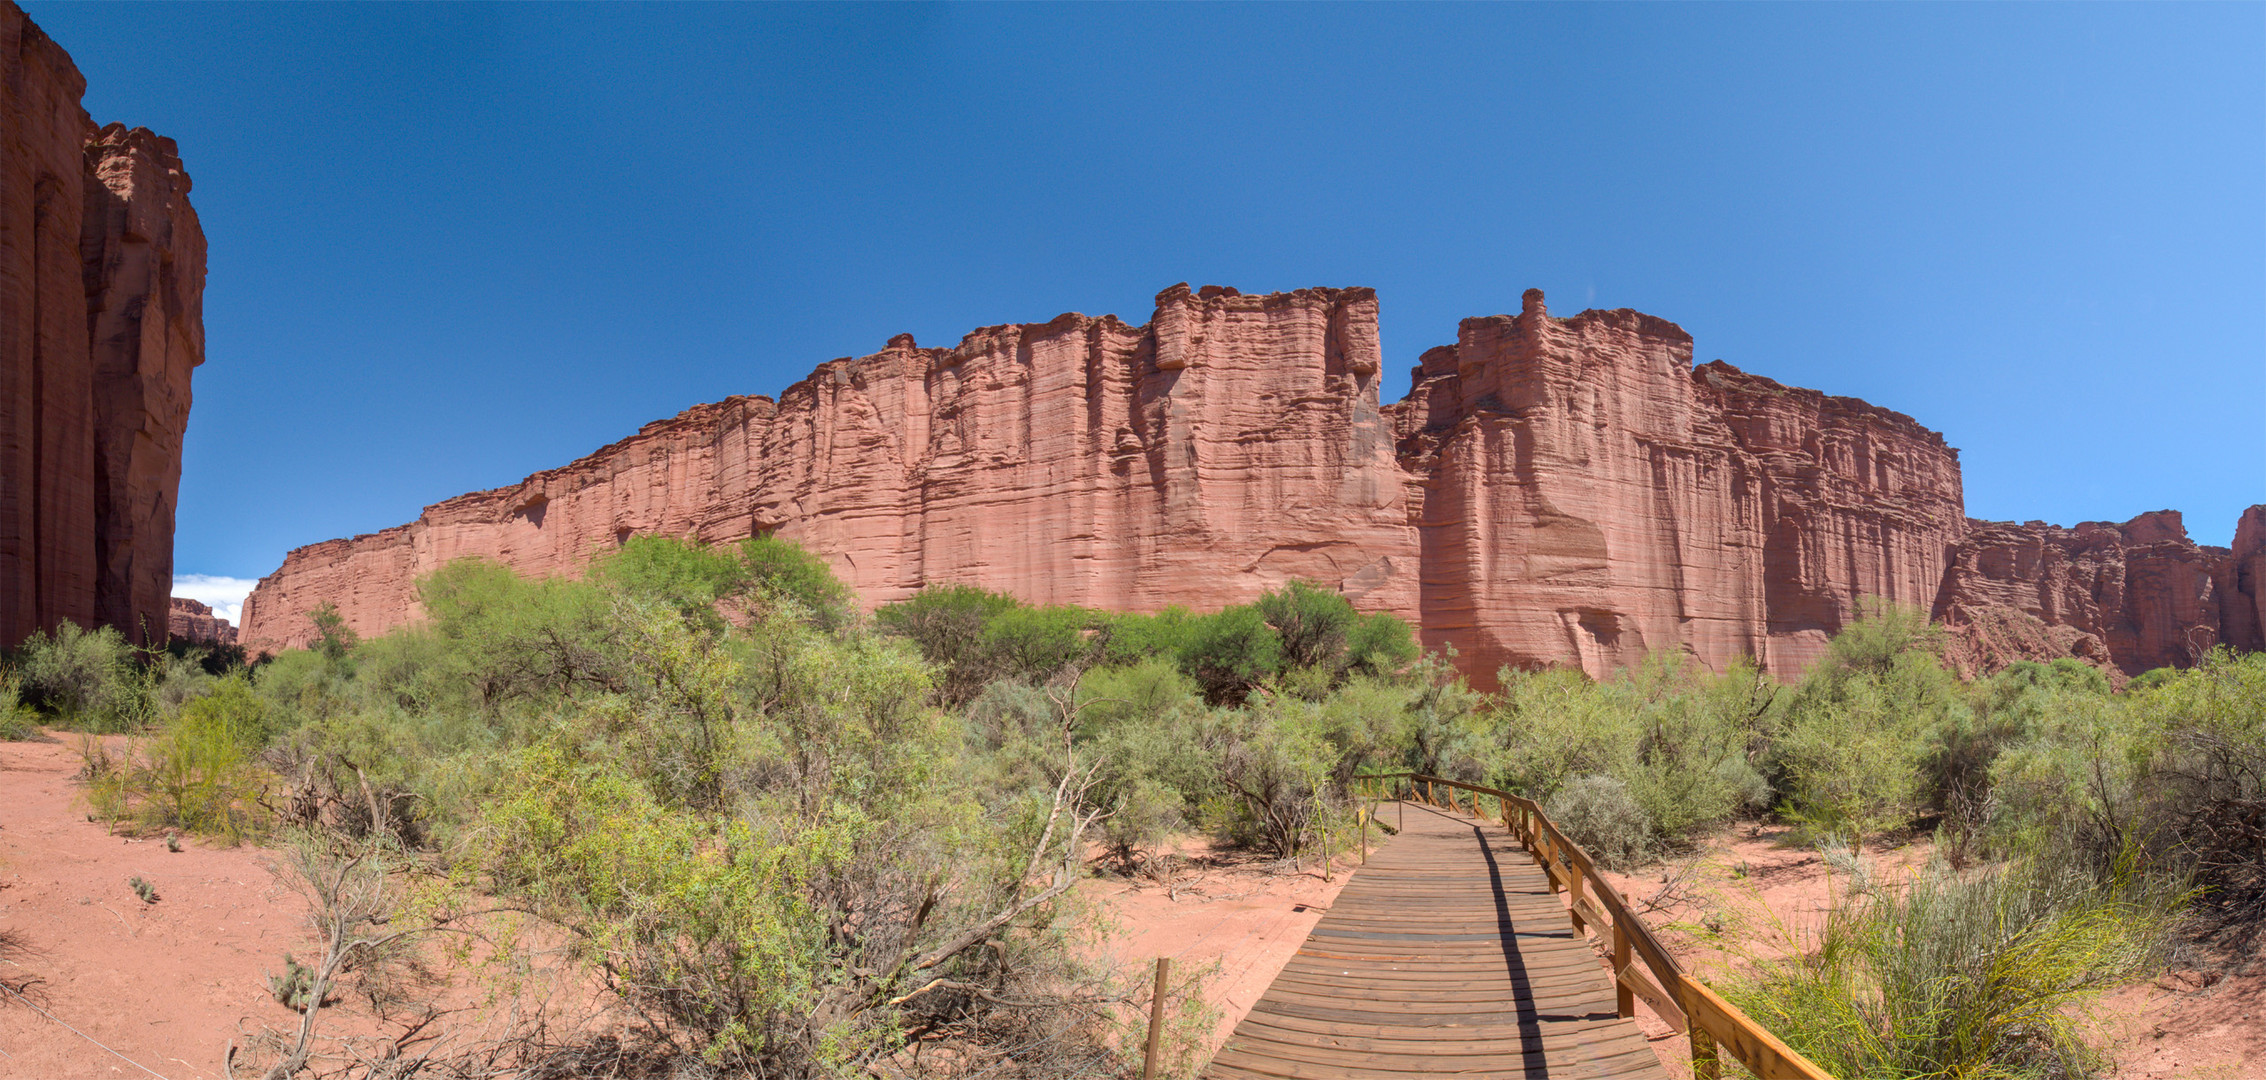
[1574,883]
[1365,812]
[1621,992]
[1156,1020]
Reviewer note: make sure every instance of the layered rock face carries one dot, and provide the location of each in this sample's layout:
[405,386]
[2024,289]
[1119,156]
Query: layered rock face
[2139,595]
[1231,444]
[1552,491]
[188,620]
[1587,496]
[102,267]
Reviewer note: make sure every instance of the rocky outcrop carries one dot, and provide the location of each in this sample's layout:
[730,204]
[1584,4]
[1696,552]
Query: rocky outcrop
[187,620]
[2139,595]
[1231,444]
[102,267]
[1588,496]
[1551,491]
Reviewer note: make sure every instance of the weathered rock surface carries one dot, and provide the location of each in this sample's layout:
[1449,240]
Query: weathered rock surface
[2141,593]
[102,267]
[1231,444]
[1587,496]
[1552,491]
[191,621]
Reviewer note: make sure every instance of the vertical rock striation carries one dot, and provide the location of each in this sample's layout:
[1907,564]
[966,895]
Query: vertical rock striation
[1231,444]
[1551,491]
[1588,496]
[102,267]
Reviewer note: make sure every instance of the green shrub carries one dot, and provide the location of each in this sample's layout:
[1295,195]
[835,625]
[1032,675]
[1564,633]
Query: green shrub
[1230,653]
[946,623]
[776,569]
[1379,645]
[1598,813]
[1975,974]
[1311,625]
[17,720]
[1035,644]
[85,678]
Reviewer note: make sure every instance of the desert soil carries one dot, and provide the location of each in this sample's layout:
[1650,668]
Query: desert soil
[161,989]
[165,985]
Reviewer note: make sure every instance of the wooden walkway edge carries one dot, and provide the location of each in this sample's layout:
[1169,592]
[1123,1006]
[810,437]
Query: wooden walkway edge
[1445,955]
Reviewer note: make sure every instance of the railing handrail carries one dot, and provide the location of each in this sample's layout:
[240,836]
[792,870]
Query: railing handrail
[1695,1010]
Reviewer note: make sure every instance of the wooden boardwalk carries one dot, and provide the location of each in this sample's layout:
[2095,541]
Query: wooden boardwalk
[1445,955]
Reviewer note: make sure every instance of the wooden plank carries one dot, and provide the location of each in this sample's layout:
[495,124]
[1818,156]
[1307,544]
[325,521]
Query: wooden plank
[1642,987]
[1446,954]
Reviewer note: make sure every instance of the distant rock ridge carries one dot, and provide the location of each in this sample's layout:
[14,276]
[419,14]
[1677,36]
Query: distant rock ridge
[1567,491]
[102,269]
[193,622]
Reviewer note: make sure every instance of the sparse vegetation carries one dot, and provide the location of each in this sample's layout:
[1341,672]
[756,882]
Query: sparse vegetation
[790,840]
[143,889]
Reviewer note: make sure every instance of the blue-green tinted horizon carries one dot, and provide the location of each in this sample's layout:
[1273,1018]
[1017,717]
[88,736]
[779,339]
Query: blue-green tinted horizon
[455,244]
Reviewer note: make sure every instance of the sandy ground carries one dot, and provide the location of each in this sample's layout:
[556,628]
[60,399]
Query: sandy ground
[1233,918]
[164,984]
[1748,895]
[1751,895]
[168,985]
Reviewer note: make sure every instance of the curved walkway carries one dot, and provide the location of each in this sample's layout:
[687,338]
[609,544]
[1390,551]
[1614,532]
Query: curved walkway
[1445,955]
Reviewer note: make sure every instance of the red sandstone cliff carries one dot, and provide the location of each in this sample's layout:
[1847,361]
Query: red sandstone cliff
[1231,444]
[1551,491]
[1587,496]
[188,620]
[2138,595]
[102,267]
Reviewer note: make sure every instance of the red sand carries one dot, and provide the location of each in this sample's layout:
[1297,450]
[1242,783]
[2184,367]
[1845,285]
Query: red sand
[168,985]
[164,984]
[1248,915]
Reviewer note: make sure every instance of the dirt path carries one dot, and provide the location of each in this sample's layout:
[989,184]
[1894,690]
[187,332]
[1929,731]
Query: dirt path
[163,984]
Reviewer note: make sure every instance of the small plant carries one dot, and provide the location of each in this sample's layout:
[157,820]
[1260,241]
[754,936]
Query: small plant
[295,988]
[173,842]
[143,889]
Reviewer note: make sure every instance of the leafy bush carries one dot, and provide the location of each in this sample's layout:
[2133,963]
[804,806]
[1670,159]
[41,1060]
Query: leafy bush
[1598,813]
[1676,741]
[1972,974]
[17,721]
[946,623]
[1230,653]
[85,678]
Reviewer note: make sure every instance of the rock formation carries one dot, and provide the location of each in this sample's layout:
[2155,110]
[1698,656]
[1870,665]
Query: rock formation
[2138,595]
[187,620]
[102,268]
[1233,443]
[1587,496]
[1551,491]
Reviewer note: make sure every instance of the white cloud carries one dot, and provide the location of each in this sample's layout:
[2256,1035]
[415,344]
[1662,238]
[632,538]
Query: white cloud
[225,595]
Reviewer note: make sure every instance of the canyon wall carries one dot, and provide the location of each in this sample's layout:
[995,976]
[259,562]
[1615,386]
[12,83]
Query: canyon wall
[1586,496]
[2133,596]
[1551,491]
[1231,444]
[102,267]
[193,622]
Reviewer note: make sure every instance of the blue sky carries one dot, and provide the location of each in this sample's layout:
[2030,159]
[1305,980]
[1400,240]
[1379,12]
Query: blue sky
[454,244]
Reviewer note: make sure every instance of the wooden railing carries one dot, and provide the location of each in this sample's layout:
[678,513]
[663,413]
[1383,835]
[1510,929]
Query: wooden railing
[1684,1002]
